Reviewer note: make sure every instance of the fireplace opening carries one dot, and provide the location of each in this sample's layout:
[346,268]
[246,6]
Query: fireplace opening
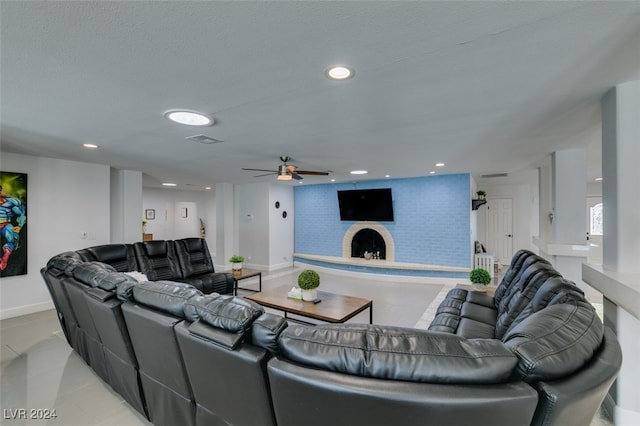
[368,240]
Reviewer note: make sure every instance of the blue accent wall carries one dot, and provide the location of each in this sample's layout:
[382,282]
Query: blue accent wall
[431,219]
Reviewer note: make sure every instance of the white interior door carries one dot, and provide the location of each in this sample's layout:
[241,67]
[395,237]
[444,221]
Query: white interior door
[500,229]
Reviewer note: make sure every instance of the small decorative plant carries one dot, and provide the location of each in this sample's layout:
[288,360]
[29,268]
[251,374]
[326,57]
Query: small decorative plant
[236,263]
[480,276]
[481,195]
[308,279]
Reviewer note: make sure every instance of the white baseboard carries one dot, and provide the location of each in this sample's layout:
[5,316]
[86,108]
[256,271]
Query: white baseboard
[25,310]
[624,417]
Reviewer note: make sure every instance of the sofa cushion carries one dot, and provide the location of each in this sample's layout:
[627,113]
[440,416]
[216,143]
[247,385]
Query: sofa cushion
[165,296]
[521,293]
[555,341]
[519,263]
[398,353]
[193,256]
[157,260]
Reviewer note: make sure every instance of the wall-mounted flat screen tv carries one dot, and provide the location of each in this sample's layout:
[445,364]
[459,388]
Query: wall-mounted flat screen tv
[366,204]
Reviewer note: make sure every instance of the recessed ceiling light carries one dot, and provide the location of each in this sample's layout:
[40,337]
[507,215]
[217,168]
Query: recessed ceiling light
[439,164]
[169,184]
[387,176]
[339,72]
[598,179]
[358,172]
[91,145]
[432,172]
[207,187]
[333,180]
[189,118]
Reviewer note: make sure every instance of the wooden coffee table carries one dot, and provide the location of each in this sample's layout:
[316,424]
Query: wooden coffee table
[333,308]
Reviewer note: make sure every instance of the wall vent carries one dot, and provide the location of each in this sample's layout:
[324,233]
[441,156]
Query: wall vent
[204,139]
[495,175]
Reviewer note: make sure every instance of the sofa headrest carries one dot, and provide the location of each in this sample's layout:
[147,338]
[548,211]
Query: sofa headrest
[120,256]
[193,244]
[555,341]
[220,337]
[111,280]
[165,296]
[90,273]
[230,313]
[156,248]
[265,331]
[398,353]
[64,261]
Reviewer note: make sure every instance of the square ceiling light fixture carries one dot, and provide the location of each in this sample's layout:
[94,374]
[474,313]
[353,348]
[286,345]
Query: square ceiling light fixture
[189,118]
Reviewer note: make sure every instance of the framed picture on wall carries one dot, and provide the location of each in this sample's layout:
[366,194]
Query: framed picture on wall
[150,214]
[13,216]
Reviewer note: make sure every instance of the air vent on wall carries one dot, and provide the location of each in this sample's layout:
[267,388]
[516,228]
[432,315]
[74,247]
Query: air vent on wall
[204,139]
[495,175]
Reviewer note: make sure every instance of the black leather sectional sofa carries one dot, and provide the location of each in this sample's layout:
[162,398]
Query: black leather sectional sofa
[536,353]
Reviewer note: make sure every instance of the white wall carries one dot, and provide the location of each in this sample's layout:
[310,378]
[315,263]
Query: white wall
[281,230]
[524,193]
[67,209]
[169,223]
[252,218]
[264,237]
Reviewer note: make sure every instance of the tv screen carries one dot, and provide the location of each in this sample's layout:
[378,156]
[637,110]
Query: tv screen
[366,204]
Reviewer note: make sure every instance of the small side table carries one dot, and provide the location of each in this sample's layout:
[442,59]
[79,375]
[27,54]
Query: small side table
[243,274]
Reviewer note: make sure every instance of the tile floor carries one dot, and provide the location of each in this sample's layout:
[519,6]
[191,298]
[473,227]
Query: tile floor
[39,371]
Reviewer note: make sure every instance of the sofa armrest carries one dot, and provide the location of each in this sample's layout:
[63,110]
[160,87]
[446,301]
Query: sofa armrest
[323,398]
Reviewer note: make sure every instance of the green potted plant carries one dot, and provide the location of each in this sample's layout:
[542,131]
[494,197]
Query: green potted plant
[308,281]
[480,279]
[236,263]
[482,195]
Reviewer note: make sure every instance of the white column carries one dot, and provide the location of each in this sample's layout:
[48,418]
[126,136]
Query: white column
[568,247]
[126,206]
[225,225]
[621,239]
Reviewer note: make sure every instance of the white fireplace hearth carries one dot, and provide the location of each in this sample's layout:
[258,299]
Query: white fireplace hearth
[377,264]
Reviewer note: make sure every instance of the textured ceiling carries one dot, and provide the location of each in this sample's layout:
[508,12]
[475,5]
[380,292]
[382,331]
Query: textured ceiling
[486,87]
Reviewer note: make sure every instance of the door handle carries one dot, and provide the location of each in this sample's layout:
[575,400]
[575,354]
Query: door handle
[508,235]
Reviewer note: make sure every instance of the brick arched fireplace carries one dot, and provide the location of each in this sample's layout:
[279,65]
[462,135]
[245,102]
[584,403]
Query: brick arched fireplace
[389,246]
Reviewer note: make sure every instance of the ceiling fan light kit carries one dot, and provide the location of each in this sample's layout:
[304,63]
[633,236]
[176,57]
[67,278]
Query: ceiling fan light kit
[287,171]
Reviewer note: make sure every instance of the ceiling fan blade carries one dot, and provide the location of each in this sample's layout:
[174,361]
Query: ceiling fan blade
[308,172]
[296,175]
[261,170]
[267,174]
